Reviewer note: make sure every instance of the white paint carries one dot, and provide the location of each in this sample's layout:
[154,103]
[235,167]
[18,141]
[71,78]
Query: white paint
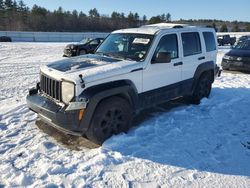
[188,146]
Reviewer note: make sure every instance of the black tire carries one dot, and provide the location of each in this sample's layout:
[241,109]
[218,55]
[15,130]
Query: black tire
[112,116]
[202,88]
[82,52]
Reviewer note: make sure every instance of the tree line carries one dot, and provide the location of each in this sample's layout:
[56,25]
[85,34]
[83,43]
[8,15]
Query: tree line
[219,25]
[16,16]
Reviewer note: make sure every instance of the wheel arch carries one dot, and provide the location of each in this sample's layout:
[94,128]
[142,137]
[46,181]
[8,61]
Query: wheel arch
[96,94]
[204,68]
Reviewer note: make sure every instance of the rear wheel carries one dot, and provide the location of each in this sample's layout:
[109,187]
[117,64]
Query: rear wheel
[112,116]
[202,89]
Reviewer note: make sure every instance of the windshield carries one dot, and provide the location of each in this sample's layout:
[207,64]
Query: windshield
[126,46]
[243,45]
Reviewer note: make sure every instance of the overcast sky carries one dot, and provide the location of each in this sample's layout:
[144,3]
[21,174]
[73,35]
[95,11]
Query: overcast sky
[186,9]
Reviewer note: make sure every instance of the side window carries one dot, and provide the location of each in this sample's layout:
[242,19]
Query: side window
[209,41]
[191,43]
[168,43]
[94,42]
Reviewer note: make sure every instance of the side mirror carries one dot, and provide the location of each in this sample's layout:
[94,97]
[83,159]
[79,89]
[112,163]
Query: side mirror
[162,57]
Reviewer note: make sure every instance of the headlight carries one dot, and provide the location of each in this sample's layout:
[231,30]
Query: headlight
[226,57]
[68,91]
[239,58]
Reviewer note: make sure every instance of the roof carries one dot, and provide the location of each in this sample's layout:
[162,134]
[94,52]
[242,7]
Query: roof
[153,28]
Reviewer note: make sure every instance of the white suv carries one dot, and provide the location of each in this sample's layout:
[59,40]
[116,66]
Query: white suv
[97,95]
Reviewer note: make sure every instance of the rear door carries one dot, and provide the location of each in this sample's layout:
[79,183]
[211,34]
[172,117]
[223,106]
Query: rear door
[93,44]
[210,45]
[193,55]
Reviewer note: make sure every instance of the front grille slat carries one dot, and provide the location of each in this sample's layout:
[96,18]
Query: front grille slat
[55,93]
[41,82]
[59,94]
[50,87]
[46,85]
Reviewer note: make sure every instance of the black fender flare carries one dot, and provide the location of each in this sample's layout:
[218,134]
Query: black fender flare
[95,94]
[208,66]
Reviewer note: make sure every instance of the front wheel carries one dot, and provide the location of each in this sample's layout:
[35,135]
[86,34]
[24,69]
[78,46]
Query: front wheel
[202,88]
[112,116]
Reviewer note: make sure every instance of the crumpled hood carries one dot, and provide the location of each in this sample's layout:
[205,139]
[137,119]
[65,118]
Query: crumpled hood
[70,46]
[75,45]
[92,67]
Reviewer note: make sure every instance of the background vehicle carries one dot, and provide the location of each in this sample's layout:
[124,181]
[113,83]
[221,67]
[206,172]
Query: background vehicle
[97,95]
[238,58]
[84,47]
[225,39]
[242,38]
[5,39]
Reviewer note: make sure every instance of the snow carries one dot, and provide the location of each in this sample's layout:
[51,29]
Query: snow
[172,145]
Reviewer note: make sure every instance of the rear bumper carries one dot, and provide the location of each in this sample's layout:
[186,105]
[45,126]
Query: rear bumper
[217,71]
[55,115]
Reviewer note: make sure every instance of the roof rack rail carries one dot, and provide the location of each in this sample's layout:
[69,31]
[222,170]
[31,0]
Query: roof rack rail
[178,26]
[166,25]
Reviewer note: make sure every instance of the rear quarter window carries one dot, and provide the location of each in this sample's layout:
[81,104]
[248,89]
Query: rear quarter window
[209,41]
[191,43]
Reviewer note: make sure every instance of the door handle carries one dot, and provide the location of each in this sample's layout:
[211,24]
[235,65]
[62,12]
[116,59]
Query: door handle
[177,64]
[136,70]
[201,58]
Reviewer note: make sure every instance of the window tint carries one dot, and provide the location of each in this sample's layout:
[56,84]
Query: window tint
[168,43]
[209,41]
[126,45]
[191,43]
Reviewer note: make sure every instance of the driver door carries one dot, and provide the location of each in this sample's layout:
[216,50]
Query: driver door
[162,78]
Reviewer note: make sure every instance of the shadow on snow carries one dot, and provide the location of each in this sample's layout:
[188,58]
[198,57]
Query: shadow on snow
[213,136]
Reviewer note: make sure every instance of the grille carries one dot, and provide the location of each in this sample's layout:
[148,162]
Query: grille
[50,87]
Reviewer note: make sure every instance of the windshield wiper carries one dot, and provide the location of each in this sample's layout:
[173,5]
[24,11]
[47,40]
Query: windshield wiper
[109,54]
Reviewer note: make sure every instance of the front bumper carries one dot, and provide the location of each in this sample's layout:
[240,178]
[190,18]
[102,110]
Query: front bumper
[235,65]
[55,115]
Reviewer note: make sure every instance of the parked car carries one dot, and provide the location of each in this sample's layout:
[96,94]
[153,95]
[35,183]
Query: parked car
[97,95]
[225,40]
[84,47]
[242,38]
[5,39]
[238,58]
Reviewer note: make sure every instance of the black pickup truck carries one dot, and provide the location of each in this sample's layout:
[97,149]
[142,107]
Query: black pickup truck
[225,39]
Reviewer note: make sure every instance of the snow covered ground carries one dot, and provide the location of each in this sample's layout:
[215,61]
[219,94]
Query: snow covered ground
[173,145]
